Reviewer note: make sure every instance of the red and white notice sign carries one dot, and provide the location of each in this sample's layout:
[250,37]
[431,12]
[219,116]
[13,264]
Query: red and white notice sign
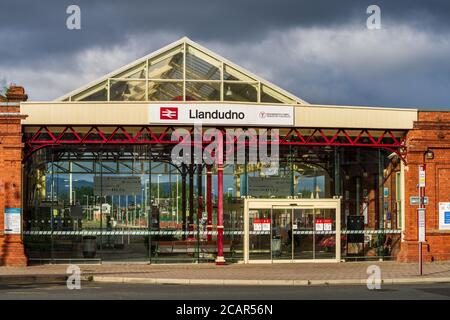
[261,224]
[324,224]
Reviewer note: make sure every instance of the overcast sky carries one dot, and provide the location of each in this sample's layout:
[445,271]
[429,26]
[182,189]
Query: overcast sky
[319,50]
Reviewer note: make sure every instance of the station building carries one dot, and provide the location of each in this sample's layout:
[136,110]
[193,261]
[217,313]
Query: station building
[91,176]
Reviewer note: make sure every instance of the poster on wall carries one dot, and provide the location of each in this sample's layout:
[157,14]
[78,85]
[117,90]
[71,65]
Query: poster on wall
[444,215]
[12,221]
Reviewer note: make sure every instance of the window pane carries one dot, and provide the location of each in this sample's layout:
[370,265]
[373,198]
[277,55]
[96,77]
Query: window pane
[240,92]
[206,91]
[272,96]
[165,91]
[167,66]
[230,73]
[137,72]
[133,90]
[97,93]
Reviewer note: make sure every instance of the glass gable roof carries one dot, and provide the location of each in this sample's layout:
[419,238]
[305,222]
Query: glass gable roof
[182,71]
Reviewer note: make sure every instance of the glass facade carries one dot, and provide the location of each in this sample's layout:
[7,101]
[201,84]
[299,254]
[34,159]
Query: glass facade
[169,214]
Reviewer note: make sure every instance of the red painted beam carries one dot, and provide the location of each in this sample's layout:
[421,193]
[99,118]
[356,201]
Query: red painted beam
[45,137]
[220,260]
[209,201]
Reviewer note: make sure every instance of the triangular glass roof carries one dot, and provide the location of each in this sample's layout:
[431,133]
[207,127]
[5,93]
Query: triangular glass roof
[182,71]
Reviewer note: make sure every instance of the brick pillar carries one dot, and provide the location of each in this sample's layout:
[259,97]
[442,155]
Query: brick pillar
[11,245]
[430,133]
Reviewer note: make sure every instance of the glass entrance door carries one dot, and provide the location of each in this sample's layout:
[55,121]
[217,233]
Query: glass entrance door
[303,233]
[281,236]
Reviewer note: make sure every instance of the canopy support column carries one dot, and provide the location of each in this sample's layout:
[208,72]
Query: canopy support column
[220,260]
[209,201]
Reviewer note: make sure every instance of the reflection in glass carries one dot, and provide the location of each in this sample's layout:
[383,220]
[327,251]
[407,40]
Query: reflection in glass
[165,91]
[131,90]
[240,92]
[203,91]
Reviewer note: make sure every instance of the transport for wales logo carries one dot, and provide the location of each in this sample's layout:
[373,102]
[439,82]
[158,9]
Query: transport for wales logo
[168,113]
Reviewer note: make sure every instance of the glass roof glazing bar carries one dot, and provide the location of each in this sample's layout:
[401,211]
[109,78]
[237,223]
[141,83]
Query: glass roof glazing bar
[184,71]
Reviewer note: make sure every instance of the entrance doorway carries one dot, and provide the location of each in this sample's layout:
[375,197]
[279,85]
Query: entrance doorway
[292,230]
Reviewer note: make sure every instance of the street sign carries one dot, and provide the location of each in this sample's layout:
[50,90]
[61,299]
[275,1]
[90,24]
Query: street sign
[421,224]
[422,176]
[415,200]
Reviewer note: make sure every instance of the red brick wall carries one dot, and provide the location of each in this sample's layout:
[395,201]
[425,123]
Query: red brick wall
[431,132]
[11,246]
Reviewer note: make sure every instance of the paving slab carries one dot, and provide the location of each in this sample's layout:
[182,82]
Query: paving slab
[237,274]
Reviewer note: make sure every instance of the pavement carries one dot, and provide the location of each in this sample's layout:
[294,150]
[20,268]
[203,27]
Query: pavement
[287,274]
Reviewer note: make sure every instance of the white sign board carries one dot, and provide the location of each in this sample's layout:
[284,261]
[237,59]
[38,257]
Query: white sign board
[421,224]
[268,186]
[319,225]
[221,114]
[324,224]
[106,208]
[113,185]
[327,224]
[444,215]
[12,221]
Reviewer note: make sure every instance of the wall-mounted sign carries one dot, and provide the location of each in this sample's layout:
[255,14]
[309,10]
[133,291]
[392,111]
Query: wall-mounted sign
[323,224]
[220,114]
[113,185]
[268,186]
[444,215]
[386,192]
[421,224]
[261,224]
[12,221]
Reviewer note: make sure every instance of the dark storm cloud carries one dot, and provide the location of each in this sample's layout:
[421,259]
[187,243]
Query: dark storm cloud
[40,25]
[42,54]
